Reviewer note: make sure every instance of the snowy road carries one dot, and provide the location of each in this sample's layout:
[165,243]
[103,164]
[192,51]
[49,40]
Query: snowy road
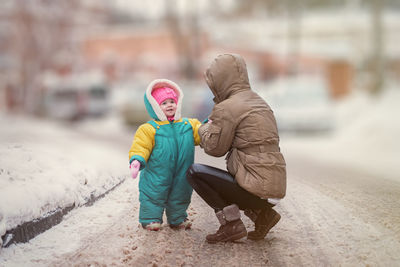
[330,217]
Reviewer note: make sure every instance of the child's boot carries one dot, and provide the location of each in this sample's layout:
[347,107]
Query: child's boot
[186,224]
[153,226]
[232,227]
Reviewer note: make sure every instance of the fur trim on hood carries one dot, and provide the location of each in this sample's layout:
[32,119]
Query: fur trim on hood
[153,107]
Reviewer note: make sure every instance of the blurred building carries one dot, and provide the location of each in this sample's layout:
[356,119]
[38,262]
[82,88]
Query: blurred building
[39,36]
[131,41]
[139,53]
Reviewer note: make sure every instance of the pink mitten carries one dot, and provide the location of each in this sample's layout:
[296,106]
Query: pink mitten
[134,167]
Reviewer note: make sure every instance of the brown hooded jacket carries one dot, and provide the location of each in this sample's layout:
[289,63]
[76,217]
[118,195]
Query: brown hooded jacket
[243,124]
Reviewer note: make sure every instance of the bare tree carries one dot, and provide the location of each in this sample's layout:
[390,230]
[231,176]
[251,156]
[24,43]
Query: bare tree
[40,31]
[294,34]
[185,34]
[377,57]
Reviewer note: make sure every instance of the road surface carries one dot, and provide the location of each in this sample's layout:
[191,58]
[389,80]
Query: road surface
[330,217]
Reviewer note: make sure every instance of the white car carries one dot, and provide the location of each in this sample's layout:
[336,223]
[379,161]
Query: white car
[301,104]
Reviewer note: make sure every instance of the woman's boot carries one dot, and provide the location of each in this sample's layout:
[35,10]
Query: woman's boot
[266,219]
[252,214]
[232,227]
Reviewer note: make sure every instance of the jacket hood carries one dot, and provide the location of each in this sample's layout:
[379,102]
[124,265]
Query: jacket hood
[151,104]
[226,76]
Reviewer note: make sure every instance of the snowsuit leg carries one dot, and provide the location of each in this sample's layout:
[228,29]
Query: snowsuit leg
[152,198]
[181,192]
[178,200]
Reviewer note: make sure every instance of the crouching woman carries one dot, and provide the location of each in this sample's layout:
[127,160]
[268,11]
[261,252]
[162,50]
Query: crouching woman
[242,127]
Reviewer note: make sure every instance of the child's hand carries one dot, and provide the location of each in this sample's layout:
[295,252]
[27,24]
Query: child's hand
[134,167]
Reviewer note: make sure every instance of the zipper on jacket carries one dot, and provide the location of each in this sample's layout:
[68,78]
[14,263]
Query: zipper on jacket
[171,123]
[176,146]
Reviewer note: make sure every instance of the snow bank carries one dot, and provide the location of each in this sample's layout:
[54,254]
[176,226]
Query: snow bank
[365,138]
[373,138]
[45,166]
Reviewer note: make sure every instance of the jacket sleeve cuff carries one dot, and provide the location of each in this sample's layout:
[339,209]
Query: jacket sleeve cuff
[140,159]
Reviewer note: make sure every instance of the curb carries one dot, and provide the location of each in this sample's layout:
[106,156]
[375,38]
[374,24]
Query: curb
[28,230]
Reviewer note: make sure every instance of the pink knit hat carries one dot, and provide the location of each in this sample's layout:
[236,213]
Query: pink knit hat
[162,93]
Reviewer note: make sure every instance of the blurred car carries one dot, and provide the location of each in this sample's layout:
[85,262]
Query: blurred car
[198,100]
[98,100]
[63,103]
[128,100]
[76,97]
[301,104]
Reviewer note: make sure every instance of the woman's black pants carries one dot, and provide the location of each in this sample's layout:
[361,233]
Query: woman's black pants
[219,189]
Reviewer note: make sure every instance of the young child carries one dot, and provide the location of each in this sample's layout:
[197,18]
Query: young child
[163,149]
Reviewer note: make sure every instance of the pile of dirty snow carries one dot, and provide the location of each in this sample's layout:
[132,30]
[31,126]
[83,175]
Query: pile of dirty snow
[45,166]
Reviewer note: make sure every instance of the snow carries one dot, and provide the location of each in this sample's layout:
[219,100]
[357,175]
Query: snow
[365,138]
[77,226]
[45,165]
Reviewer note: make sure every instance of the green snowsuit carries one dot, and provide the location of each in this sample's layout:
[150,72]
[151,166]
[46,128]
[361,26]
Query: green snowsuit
[165,151]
